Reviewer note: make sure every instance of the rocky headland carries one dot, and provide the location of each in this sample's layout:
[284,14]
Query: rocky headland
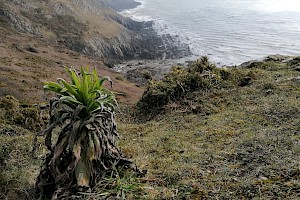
[38,38]
[92,28]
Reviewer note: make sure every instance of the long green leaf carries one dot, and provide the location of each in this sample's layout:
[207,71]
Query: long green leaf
[74,77]
[69,88]
[84,86]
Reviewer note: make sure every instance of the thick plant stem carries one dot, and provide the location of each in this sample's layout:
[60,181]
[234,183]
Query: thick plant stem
[84,152]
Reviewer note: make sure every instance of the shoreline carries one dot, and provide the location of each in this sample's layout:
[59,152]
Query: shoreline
[171,51]
[225,45]
[141,71]
[158,52]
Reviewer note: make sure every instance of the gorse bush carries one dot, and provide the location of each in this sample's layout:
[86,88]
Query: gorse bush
[201,76]
[85,149]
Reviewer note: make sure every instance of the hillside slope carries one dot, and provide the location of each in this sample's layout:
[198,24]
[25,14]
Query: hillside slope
[228,139]
[82,26]
[39,38]
[90,27]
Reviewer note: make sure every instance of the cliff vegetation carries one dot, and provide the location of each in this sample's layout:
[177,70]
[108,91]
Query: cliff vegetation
[216,134]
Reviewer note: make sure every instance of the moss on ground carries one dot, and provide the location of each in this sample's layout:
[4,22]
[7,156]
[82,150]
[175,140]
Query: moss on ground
[227,141]
[19,116]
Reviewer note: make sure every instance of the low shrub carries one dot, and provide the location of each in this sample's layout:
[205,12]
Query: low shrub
[201,76]
[25,116]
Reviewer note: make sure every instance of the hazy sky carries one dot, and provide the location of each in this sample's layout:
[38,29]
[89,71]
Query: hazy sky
[279,5]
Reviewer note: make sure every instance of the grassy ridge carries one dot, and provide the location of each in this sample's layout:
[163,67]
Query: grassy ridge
[248,147]
[237,138]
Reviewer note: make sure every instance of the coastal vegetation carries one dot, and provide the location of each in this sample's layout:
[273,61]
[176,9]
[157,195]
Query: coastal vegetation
[85,150]
[197,132]
[228,133]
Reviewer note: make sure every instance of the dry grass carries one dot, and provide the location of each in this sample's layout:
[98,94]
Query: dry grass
[248,148]
[22,72]
[27,60]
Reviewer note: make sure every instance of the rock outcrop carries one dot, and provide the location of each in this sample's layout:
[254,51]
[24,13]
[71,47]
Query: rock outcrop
[120,5]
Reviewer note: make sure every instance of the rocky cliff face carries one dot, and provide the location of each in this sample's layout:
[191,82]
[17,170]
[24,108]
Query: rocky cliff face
[90,27]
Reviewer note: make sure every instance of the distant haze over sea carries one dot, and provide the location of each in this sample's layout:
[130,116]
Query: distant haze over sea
[228,31]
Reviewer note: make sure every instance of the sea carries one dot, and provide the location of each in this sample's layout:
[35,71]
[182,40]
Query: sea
[229,32]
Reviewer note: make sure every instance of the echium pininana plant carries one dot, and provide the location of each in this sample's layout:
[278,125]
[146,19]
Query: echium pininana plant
[85,149]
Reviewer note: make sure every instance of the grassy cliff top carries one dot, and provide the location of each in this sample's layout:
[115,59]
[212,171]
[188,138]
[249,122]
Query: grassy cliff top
[225,133]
